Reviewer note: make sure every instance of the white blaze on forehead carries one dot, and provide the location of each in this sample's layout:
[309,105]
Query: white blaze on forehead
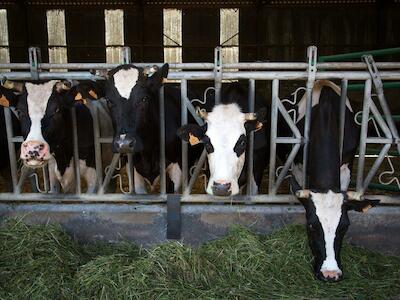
[38,97]
[125,80]
[225,124]
[329,211]
[315,97]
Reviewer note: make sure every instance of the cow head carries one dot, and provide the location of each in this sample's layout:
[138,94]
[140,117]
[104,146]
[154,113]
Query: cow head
[40,110]
[131,92]
[224,136]
[327,223]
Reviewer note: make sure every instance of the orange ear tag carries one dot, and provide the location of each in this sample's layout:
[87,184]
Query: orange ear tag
[193,140]
[365,209]
[4,101]
[93,94]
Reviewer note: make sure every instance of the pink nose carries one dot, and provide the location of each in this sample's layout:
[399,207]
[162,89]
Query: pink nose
[34,150]
[332,275]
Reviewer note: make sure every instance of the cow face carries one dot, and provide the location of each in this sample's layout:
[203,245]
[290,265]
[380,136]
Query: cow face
[327,223]
[40,109]
[225,139]
[131,92]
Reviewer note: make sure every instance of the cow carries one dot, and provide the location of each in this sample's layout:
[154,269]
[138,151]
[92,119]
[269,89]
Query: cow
[325,201]
[132,94]
[7,99]
[225,137]
[46,126]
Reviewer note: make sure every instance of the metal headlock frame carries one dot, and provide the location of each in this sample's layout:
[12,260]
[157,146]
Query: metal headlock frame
[218,72]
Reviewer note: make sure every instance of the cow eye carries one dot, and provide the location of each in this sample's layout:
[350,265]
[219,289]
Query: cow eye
[144,99]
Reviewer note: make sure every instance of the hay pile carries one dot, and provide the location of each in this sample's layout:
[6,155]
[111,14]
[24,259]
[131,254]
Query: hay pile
[42,262]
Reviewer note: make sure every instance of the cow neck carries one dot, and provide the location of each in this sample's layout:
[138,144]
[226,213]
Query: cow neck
[62,145]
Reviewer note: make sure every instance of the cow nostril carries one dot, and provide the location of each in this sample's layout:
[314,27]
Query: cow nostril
[41,146]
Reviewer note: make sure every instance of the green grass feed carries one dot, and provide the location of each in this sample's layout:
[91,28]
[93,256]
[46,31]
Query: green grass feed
[43,262]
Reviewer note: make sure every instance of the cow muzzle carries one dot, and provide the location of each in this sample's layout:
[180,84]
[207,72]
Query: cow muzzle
[330,275]
[222,189]
[124,144]
[35,154]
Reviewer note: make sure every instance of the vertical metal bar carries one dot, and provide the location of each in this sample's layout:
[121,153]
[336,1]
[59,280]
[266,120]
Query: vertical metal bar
[97,144]
[129,171]
[184,120]
[342,115]
[76,152]
[11,148]
[312,68]
[24,173]
[163,178]
[34,61]
[218,73]
[363,135]
[196,172]
[126,55]
[46,178]
[274,132]
[250,154]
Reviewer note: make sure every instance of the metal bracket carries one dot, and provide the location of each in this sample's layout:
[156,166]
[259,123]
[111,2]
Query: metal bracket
[312,70]
[174,216]
[218,73]
[35,58]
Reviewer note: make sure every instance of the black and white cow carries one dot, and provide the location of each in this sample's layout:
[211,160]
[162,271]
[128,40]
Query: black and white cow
[7,99]
[46,125]
[133,96]
[225,137]
[326,201]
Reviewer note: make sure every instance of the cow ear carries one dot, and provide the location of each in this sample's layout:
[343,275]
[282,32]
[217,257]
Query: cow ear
[191,133]
[361,205]
[156,77]
[257,124]
[8,98]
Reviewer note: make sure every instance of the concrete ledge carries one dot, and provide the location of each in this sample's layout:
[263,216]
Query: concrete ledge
[146,224]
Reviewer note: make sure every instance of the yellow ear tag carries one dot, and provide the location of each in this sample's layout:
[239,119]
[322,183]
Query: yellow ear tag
[365,209]
[4,101]
[93,94]
[164,80]
[193,140]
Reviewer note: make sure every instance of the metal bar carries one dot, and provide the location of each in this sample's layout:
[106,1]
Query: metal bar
[283,140]
[129,171]
[354,55]
[378,118]
[76,151]
[376,79]
[163,179]
[34,61]
[11,148]
[196,173]
[375,167]
[342,115]
[363,135]
[274,133]
[184,120]
[192,110]
[218,73]
[109,173]
[289,121]
[126,55]
[204,75]
[250,154]
[312,56]
[46,182]
[378,140]
[97,146]
[208,66]
[286,167]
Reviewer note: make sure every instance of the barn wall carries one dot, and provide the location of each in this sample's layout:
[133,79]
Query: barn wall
[266,32]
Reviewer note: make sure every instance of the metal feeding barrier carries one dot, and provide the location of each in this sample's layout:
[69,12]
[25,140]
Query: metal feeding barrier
[366,71]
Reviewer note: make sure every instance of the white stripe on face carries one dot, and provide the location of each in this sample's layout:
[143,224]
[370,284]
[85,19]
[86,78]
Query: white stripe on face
[225,124]
[125,80]
[38,97]
[329,211]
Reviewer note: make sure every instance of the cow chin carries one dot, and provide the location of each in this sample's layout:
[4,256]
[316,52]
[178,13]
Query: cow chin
[35,163]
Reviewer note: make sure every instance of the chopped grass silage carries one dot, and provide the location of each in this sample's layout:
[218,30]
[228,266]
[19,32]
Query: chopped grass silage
[241,265]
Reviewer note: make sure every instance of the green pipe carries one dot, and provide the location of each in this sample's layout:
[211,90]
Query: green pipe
[378,186]
[386,85]
[370,151]
[354,55]
[395,118]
